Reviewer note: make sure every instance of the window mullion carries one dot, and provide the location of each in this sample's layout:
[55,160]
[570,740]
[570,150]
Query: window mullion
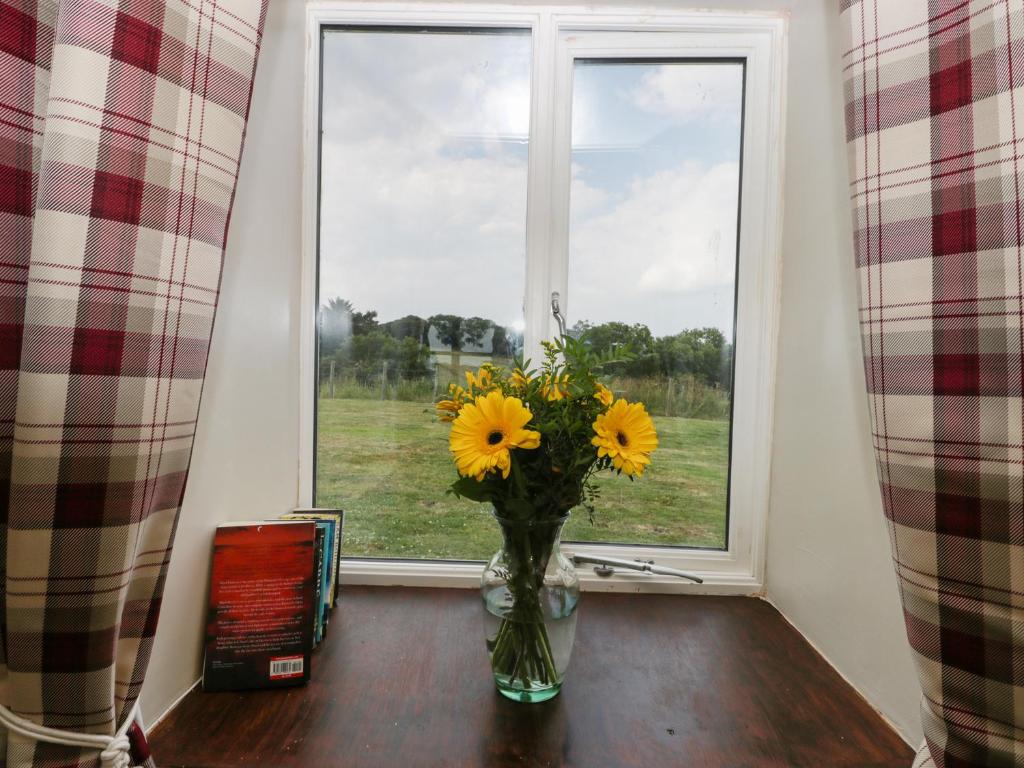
[537,291]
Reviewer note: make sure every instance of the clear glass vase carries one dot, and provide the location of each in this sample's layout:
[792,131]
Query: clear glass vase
[530,592]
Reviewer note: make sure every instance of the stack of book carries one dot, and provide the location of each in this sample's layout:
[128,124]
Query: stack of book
[273,587]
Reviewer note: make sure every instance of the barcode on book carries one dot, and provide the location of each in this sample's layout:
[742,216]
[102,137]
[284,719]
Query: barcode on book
[286,666]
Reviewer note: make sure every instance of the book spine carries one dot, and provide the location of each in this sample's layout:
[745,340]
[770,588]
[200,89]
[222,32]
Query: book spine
[318,573]
[338,538]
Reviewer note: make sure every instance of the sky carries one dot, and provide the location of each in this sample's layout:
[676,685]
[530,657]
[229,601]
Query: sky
[424,173]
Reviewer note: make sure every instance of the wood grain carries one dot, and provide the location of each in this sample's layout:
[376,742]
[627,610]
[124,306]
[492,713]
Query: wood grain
[402,680]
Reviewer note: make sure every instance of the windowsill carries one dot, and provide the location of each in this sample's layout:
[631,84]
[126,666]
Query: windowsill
[716,568]
[402,679]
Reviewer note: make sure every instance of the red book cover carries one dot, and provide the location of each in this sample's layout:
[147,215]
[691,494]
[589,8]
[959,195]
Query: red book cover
[259,625]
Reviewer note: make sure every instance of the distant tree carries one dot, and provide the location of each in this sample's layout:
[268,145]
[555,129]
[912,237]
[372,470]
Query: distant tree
[411,358]
[635,339]
[408,326]
[359,346]
[339,320]
[335,325]
[364,322]
[474,329]
[702,352]
[579,329]
[503,344]
[457,333]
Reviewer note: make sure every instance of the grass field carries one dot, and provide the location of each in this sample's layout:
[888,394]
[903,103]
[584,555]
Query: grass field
[386,463]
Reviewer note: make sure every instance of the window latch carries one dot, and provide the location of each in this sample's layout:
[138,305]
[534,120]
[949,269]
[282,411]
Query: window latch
[556,311]
[605,566]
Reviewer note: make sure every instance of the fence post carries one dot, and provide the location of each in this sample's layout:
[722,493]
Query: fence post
[383,379]
[332,379]
[668,397]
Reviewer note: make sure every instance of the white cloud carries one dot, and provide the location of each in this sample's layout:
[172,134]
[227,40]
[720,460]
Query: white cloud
[671,234]
[423,198]
[692,91]
[441,234]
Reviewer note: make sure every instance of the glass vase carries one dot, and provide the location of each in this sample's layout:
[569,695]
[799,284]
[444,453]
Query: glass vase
[530,592]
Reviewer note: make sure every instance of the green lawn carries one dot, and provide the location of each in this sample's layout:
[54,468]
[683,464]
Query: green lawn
[386,463]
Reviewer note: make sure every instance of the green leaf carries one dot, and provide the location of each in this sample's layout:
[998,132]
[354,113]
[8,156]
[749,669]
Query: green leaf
[470,488]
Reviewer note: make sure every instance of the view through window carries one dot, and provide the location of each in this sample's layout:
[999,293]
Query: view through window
[423,184]
[652,267]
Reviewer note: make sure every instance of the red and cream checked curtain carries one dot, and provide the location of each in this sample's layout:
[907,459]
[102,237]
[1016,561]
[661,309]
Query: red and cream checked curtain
[935,122]
[121,126]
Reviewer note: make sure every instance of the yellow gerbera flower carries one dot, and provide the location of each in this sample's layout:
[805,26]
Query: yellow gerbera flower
[603,395]
[626,433]
[485,431]
[555,390]
[519,379]
[481,382]
[449,408]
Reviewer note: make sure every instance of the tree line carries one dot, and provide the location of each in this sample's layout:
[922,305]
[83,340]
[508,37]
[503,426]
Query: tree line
[361,346]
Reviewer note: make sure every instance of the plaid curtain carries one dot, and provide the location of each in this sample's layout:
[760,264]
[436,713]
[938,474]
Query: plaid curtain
[121,126]
[935,122]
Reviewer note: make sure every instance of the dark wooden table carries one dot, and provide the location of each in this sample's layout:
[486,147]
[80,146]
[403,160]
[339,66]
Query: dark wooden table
[402,682]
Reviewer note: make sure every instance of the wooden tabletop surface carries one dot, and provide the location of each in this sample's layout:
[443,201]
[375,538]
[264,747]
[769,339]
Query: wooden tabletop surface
[402,682]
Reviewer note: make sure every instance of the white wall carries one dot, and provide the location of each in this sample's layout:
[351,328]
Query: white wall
[828,564]
[245,460]
[829,570]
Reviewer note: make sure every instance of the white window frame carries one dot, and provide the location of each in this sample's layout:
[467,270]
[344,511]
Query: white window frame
[560,34]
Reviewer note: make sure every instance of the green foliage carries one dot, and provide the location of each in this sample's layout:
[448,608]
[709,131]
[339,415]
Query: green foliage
[703,353]
[358,345]
[687,374]
[368,356]
[340,322]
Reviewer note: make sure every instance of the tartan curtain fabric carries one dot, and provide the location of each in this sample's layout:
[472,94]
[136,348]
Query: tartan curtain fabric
[935,122]
[121,126]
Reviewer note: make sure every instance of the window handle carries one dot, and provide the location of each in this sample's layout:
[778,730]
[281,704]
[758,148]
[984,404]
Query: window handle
[557,313]
[605,566]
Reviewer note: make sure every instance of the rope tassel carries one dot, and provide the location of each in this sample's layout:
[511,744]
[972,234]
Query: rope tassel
[115,751]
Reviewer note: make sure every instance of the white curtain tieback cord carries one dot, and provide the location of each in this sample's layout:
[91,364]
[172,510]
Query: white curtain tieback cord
[115,751]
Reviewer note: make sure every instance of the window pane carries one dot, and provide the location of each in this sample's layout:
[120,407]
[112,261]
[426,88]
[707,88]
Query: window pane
[422,261]
[652,266]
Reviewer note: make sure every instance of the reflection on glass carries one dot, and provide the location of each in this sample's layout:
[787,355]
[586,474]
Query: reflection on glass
[652,269]
[421,272]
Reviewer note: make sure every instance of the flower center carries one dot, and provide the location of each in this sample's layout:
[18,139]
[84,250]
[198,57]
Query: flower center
[623,440]
[495,437]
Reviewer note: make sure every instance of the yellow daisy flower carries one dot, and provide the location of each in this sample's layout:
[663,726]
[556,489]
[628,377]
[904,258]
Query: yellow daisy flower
[626,433]
[486,430]
[603,395]
[557,390]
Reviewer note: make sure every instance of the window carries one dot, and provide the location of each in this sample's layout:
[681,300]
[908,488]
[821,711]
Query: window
[464,165]
[654,203]
[423,172]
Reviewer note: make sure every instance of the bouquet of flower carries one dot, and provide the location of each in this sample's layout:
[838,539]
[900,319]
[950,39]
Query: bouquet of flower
[529,443]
